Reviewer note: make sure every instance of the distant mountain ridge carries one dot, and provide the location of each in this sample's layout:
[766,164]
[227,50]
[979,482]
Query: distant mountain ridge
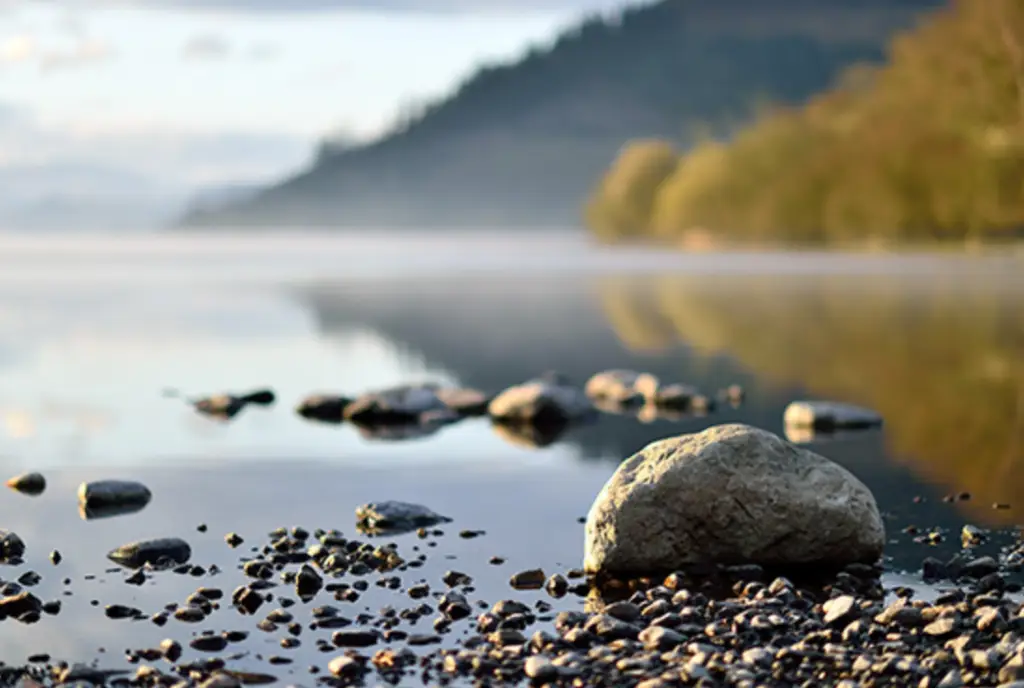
[522,144]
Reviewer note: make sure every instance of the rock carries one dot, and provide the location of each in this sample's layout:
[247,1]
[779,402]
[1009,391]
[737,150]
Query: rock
[105,498]
[12,547]
[980,567]
[464,401]
[547,400]
[840,611]
[307,583]
[829,415]
[402,404]
[732,494]
[346,667]
[14,606]
[31,484]
[324,408]
[680,397]
[540,669]
[161,552]
[208,643]
[528,580]
[392,518]
[619,386]
[227,406]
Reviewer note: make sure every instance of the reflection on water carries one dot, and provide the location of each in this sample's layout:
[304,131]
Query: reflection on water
[91,337]
[942,360]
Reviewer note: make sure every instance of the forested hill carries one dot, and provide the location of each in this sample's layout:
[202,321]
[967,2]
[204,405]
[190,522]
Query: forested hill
[523,143]
[926,147]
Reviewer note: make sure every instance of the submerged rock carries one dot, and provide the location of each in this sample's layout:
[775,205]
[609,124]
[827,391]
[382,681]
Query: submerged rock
[403,404]
[325,408]
[12,547]
[227,406]
[31,484]
[104,498]
[829,415]
[732,494]
[160,552]
[549,399]
[395,517]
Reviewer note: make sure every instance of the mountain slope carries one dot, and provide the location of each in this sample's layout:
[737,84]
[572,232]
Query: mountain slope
[521,144]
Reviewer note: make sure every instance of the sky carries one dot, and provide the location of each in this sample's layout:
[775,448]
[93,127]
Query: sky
[160,95]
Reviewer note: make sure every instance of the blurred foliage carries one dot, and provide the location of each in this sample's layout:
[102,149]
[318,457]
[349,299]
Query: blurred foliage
[941,359]
[928,147]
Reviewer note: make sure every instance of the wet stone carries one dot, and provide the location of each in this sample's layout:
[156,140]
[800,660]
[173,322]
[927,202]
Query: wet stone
[209,643]
[355,638]
[160,552]
[532,579]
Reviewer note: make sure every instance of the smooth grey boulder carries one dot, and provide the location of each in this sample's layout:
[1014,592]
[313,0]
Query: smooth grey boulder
[732,494]
[829,415]
[547,399]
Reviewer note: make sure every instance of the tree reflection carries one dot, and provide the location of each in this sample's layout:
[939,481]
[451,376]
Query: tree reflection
[941,359]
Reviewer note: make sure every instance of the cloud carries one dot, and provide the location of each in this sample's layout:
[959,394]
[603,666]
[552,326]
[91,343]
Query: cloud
[26,48]
[206,47]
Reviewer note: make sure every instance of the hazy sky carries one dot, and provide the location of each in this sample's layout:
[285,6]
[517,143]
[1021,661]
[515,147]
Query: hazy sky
[205,91]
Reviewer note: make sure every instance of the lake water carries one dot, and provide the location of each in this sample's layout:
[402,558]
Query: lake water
[93,329]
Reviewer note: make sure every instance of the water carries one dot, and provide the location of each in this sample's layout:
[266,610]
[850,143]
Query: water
[93,329]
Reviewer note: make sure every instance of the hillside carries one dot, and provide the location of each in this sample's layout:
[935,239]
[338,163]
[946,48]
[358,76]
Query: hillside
[927,147]
[523,143]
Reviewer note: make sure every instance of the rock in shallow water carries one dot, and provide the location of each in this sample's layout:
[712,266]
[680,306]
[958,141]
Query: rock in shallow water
[325,408]
[548,399]
[396,517]
[31,484]
[829,415]
[155,552]
[401,404]
[12,547]
[101,493]
[619,386]
[732,494]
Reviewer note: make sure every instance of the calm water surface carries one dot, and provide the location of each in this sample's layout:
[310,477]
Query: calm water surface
[93,329]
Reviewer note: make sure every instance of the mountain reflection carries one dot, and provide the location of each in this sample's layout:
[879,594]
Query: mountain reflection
[941,359]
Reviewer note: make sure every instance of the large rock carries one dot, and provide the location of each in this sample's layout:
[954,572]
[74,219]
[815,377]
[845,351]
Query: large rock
[549,400]
[731,494]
